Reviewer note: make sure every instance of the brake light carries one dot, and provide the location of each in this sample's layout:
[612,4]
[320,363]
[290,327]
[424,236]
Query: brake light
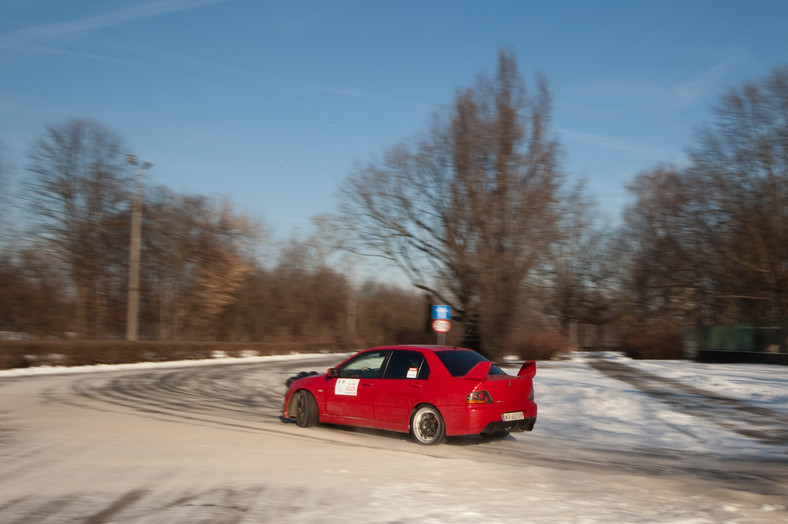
[479,397]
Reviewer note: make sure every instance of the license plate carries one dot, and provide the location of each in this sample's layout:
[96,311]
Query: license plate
[514,415]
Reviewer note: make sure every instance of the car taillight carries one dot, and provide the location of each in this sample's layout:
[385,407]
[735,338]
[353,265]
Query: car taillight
[479,397]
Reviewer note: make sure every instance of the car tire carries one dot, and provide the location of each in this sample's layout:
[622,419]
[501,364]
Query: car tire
[427,426]
[304,409]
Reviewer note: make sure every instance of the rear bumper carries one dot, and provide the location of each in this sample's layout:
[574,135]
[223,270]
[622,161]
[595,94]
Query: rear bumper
[472,420]
[516,426]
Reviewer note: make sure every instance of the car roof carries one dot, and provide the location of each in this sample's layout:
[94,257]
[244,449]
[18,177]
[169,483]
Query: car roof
[426,347]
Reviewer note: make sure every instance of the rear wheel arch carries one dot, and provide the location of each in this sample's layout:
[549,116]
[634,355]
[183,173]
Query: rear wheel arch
[427,425]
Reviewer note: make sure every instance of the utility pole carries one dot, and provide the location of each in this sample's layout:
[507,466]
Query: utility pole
[351,307]
[132,310]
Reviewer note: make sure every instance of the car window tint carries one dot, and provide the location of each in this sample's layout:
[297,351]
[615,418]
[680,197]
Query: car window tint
[366,365]
[405,364]
[459,362]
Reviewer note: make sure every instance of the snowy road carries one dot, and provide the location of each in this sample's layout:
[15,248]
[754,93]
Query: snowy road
[206,444]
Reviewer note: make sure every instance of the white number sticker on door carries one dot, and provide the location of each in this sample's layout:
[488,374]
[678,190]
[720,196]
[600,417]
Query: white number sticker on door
[346,386]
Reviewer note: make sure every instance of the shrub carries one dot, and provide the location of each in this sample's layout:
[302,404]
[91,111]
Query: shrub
[538,345]
[653,345]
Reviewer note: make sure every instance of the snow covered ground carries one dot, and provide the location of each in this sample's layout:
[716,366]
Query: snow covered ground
[580,404]
[115,447]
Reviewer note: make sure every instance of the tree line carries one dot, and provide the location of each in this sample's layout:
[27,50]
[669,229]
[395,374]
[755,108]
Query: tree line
[202,276]
[476,212]
[708,242]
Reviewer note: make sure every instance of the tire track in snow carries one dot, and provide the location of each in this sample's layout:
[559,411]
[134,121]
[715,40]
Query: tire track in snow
[237,395]
[759,423]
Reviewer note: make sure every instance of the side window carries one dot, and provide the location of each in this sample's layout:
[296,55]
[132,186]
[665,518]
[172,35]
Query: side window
[405,364]
[366,365]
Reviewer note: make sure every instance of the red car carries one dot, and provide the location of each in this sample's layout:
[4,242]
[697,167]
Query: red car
[429,391]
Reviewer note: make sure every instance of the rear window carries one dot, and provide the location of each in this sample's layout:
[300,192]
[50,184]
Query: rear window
[459,362]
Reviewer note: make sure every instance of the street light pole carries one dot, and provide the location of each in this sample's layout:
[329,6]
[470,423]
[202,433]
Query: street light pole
[132,310]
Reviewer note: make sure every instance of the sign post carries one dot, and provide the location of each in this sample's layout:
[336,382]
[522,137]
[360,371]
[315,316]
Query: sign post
[441,322]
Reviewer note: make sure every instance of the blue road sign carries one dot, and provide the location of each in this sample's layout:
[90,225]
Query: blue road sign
[441,312]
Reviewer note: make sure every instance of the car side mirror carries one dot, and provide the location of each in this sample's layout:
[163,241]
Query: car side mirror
[332,373]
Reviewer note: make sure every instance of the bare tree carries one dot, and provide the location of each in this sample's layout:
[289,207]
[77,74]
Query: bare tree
[78,192]
[33,301]
[468,212]
[665,253]
[196,256]
[740,166]
[582,271]
[3,179]
[5,187]
[709,243]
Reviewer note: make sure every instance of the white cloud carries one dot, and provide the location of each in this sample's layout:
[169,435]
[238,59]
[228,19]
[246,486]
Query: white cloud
[353,93]
[69,28]
[700,84]
[615,144]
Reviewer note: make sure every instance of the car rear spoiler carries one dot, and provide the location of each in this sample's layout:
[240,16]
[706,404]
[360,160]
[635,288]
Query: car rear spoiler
[482,369]
[528,369]
[479,371]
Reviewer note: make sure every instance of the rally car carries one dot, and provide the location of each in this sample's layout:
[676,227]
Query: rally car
[431,392]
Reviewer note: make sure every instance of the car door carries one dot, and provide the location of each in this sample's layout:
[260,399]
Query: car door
[352,393]
[400,388]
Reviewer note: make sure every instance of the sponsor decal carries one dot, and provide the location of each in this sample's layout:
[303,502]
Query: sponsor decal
[346,386]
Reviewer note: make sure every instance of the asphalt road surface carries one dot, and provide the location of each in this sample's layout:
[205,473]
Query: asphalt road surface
[207,444]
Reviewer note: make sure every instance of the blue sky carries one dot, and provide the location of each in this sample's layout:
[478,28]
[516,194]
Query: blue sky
[270,103]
